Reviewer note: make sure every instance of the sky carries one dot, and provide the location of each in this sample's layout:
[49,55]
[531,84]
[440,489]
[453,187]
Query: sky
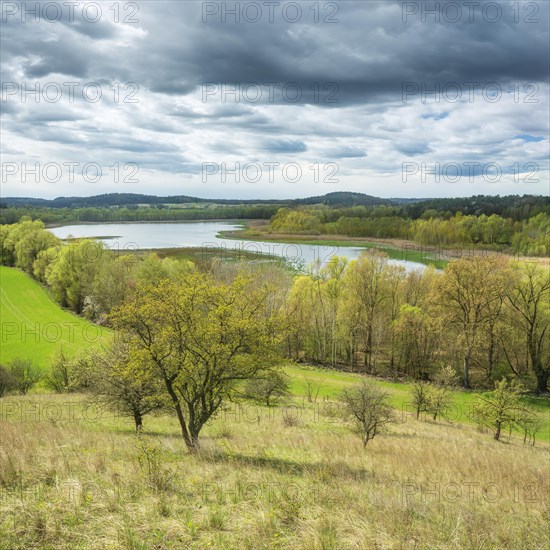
[263,99]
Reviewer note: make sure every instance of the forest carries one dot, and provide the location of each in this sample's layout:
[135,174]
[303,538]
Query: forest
[485,317]
[526,237]
[514,224]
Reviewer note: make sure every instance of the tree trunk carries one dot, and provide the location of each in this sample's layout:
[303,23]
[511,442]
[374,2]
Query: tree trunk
[466,380]
[540,372]
[542,381]
[184,431]
[138,419]
[497,433]
[491,358]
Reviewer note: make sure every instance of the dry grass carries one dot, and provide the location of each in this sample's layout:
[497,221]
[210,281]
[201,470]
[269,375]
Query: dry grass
[70,480]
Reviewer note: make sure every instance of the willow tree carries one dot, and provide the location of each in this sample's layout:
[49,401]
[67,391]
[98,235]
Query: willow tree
[202,338]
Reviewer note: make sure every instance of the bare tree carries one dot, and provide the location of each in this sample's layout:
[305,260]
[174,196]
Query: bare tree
[368,406]
[440,396]
[312,389]
[420,393]
[530,422]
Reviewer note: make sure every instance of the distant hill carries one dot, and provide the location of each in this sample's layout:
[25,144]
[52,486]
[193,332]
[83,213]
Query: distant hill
[123,199]
[513,206]
[342,198]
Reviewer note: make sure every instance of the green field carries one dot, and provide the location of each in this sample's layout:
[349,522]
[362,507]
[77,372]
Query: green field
[331,383]
[33,326]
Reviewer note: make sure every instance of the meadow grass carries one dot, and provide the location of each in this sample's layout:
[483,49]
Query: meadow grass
[74,477]
[33,326]
[331,383]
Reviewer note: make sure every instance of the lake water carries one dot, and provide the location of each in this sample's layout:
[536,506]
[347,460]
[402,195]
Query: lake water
[138,236]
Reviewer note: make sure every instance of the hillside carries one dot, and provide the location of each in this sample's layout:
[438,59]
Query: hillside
[33,326]
[291,476]
[342,198]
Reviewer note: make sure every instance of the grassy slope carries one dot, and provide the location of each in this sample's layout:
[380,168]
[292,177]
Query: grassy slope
[333,382]
[33,326]
[75,476]
[74,479]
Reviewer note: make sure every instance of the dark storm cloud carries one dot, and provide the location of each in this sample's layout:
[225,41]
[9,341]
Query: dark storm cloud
[368,54]
[304,90]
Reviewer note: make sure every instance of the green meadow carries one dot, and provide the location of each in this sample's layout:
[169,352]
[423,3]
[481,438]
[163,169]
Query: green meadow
[33,326]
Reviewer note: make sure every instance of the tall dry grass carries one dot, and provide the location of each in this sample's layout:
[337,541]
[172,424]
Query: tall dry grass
[71,479]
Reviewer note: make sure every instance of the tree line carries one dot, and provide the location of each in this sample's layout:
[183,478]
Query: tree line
[189,338]
[486,317]
[136,213]
[443,229]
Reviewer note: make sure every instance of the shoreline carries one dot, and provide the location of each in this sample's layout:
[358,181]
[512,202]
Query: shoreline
[398,249]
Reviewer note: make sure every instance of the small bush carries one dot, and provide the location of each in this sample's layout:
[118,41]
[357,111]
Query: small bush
[367,404]
[273,385]
[25,374]
[62,375]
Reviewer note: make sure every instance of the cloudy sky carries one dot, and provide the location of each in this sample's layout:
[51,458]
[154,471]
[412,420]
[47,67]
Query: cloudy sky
[275,99]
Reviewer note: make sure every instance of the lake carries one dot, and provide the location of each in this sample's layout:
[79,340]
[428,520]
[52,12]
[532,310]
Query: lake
[139,236]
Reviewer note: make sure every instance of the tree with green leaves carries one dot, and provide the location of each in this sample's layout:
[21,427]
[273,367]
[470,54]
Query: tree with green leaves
[471,293]
[24,373]
[123,381]
[529,300]
[22,242]
[62,372]
[417,340]
[72,275]
[202,339]
[272,385]
[501,407]
[440,396]
[367,295]
[420,397]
